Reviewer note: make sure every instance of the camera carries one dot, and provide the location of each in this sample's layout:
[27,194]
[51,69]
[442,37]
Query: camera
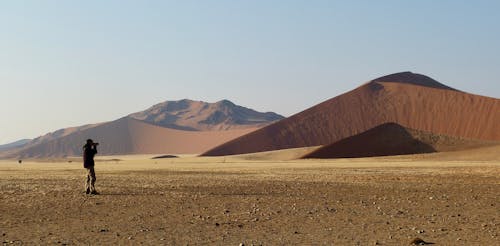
[95,144]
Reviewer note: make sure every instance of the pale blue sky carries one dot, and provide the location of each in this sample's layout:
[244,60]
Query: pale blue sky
[68,63]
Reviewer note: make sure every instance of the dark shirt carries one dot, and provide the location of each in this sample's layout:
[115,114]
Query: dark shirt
[88,155]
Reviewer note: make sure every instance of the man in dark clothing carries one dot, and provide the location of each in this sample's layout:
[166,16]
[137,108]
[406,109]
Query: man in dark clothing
[89,151]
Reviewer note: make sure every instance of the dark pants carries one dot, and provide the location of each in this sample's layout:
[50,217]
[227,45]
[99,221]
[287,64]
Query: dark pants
[90,182]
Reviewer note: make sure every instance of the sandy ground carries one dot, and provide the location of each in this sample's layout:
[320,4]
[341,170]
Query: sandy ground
[228,201]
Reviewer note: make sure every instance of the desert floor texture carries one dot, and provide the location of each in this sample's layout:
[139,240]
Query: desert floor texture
[228,201]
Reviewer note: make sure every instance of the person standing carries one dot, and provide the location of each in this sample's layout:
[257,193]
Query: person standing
[89,151]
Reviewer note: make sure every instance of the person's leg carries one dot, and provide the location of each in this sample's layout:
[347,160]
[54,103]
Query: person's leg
[87,182]
[92,181]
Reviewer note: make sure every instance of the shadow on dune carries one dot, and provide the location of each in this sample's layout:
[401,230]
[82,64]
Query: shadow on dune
[384,140]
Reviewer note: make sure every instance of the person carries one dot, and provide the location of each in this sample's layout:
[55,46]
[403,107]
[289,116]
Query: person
[89,151]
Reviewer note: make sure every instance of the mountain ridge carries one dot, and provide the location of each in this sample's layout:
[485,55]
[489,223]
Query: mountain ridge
[192,115]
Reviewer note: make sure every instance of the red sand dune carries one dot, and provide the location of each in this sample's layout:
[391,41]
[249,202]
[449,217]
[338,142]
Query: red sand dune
[392,139]
[130,136]
[412,100]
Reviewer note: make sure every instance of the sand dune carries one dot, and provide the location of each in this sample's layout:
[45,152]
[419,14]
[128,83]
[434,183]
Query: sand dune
[61,133]
[412,100]
[15,144]
[178,127]
[393,139]
[130,136]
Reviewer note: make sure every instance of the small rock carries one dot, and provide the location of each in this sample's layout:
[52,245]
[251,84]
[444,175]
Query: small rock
[418,241]
[242,244]
[217,224]
[129,238]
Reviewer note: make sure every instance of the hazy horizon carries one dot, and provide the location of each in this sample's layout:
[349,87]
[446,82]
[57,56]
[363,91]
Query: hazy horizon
[67,64]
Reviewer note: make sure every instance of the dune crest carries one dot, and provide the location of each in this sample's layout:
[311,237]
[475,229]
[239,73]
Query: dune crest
[413,79]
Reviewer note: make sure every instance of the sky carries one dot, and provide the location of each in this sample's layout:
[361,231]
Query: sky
[70,63]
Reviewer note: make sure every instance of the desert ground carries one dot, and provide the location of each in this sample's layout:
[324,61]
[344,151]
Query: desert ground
[262,199]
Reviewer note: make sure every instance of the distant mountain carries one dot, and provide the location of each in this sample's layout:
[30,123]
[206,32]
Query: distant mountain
[15,144]
[172,127]
[393,139]
[412,100]
[202,116]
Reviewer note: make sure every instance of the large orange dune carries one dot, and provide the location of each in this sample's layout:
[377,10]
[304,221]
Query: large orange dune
[412,100]
[129,136]
[393,139]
